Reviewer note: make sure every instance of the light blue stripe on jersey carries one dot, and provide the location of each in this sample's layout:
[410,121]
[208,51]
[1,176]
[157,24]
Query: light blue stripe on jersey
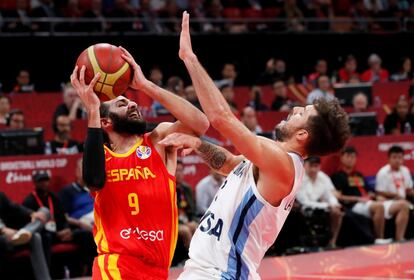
[246,212]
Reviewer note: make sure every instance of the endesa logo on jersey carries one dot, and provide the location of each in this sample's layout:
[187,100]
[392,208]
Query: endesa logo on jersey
[143,152]
[146,235]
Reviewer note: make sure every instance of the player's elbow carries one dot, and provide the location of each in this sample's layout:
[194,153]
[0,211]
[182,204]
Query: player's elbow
[220,121]
[95,182]
[202,126]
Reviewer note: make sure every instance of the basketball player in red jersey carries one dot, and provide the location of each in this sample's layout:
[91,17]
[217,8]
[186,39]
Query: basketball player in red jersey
[132,180]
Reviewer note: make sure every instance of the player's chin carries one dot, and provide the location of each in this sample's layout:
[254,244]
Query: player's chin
[134,117]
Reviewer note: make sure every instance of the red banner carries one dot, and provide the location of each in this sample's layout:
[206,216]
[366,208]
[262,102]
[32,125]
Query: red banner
[16,173]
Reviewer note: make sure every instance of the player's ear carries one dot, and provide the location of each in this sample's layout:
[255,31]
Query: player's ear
[302,135]
[105,122]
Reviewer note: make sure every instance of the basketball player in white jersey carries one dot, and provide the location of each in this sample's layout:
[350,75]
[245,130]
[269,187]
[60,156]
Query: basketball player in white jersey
[251,206]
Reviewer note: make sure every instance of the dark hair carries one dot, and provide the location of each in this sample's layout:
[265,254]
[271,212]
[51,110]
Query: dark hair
[349,150]
[328,130]
[104,110]
[402,61]
[312,160]
[11,114]
[350,57]
[395,150]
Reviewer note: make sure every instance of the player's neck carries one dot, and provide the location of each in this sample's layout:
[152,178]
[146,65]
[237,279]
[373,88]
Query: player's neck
[293,148]
[122,143]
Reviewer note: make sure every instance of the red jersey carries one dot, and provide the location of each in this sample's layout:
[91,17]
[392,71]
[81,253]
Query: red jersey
[135,215]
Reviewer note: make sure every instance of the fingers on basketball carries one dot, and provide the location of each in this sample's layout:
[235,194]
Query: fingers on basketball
[94,80]
[74,77]
[82,75]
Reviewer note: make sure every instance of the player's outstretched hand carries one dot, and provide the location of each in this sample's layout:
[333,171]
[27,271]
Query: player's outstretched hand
[138,81]
[86,94]
[186,50]
[182,141]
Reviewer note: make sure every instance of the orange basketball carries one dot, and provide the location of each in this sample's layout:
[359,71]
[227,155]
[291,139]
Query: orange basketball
[116,74]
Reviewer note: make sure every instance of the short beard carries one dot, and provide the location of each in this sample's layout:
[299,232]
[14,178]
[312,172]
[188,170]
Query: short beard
[282,133]
[124,125]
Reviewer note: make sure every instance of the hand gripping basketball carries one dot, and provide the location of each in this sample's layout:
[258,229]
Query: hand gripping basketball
[88,97]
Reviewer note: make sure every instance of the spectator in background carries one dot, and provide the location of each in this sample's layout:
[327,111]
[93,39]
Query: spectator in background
[172,14]
[148,17]
[71,105]
[62,143]
[196,10]
[317,193]
[255,96]
[58,230]
[15,119]
[187,219]
[228,75]
[12,217]
[275,70]
[294,16]
[393,184]
[20,16]
[156,76]
[46,9]
[321,69]
[349,70]
[359,102]
[95,12]
[174,84]
[23,83]
[72,13]
[400,121]
[121,9]
[281,101]
[375,7]
[405,72]
[206,190]
[394,180]
[375,73]
[353,194]
[228,94]
[4,109]
[322,91]
[249,119]
[213,11]
[78,202]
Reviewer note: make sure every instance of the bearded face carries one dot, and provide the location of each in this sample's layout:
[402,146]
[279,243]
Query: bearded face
[128,124]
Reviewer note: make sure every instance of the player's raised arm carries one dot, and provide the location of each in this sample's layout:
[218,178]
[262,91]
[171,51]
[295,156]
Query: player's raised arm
[93,155]
[217,158]
[191,120]
[263,154]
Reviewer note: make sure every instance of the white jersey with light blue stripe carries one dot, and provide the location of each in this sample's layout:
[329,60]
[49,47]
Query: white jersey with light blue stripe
[238,228]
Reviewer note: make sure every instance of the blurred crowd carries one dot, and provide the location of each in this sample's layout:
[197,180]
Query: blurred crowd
[211,16]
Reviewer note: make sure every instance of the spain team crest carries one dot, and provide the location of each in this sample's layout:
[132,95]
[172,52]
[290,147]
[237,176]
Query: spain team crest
[143,152]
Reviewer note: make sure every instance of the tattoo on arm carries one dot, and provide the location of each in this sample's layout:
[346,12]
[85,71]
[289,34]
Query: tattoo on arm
[212,155]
